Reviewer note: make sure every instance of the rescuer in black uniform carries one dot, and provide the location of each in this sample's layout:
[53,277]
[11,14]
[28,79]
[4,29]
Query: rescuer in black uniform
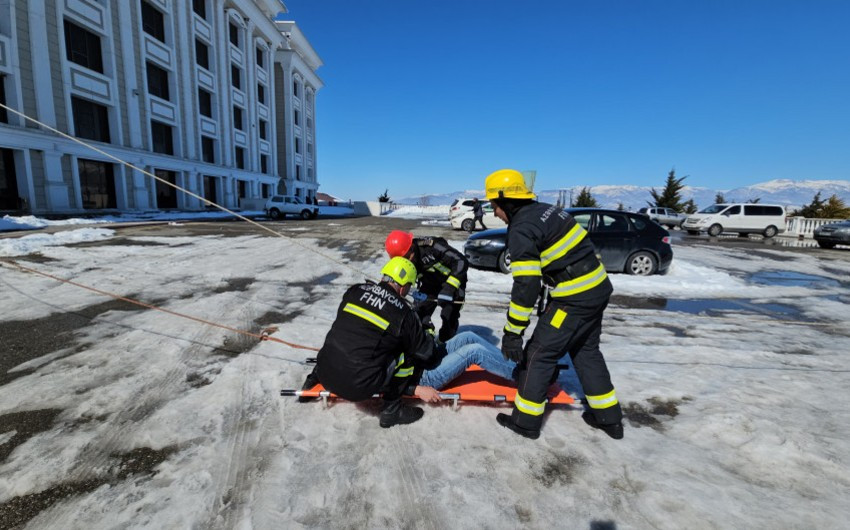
[546,244]
[442,276]
[376,344]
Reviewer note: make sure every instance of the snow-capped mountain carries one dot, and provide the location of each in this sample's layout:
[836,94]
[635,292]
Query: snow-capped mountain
[787,192]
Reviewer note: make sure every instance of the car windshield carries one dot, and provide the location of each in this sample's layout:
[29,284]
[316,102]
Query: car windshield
[714,208]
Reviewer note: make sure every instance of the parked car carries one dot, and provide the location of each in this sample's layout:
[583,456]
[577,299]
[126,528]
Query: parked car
[765,219]
[833,234]
[624,241]
[664,216]
[279,206]
[462,218]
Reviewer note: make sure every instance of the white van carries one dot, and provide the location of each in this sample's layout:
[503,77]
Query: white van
[765,219]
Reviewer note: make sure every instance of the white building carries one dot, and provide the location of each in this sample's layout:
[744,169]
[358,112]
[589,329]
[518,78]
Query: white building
[212,95]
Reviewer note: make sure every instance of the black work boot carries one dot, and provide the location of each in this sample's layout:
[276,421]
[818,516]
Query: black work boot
[395,413]
[614,430]
[505,420]
[311,381]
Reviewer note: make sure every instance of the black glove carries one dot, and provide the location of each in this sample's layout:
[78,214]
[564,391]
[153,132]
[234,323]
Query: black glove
[512,347]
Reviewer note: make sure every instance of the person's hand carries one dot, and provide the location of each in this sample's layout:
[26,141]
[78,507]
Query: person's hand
[427,394]
[512,347]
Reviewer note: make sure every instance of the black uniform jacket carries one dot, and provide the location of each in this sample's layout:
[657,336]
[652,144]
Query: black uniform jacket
[374,327]
[439,263]
[546,244]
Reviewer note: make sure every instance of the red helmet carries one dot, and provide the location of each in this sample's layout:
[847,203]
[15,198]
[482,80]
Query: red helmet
[398,243]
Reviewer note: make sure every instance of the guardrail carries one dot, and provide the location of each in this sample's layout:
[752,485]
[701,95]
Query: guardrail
[802,227]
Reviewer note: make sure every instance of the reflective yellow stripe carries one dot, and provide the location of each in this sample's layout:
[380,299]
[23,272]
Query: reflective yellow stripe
[454,282]
[563,245]
[529,407]
[365,314]
[404,372]
[602,402]
[510,328]
[580,284]
[526,268]
[519,312]
[558,319]
[439,267]
[400,360]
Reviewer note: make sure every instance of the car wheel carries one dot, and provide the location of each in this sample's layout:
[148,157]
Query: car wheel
[770,231]
[505,262]
[826,244]
[715,230]
[274,213]
[467,225]
[693,232]
[306,214]
[642,263]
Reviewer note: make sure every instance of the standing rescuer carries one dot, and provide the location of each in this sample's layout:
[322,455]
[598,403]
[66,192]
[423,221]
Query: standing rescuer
[546,244]
[442,276]
[376,344]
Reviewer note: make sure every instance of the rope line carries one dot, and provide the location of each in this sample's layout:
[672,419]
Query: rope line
[258,336]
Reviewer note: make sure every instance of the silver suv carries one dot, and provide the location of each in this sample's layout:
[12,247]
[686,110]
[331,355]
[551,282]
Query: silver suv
[664,216]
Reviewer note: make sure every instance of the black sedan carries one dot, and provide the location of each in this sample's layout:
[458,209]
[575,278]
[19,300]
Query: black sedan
[833,234]
[626,242]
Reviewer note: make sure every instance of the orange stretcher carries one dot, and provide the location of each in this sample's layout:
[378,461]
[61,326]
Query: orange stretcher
[475,384]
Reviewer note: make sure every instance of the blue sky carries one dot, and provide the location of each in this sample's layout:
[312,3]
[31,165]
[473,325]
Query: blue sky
[430,97]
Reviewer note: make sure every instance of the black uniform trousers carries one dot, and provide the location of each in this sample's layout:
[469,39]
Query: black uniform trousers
[565,327]
[425,309]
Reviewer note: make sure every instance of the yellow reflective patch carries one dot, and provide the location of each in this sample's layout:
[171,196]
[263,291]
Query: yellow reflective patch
[558,319]
[603,401]
[529,407]
[367,315]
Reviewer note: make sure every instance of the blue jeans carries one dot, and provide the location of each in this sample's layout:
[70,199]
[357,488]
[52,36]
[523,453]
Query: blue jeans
[465,349]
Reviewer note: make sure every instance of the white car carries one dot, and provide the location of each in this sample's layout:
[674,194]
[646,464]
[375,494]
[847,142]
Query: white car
[279,206]
[462,218]
[664,216]
[765,219]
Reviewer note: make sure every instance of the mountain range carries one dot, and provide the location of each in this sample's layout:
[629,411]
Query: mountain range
[794,193]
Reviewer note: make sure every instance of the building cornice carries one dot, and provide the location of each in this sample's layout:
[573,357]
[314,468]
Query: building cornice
[299,43]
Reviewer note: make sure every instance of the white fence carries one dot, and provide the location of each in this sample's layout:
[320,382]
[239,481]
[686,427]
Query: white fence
[804,227]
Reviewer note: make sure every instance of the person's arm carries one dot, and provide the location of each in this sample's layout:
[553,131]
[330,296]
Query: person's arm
[427,393]
[527,275]
[457,266]
[418,343]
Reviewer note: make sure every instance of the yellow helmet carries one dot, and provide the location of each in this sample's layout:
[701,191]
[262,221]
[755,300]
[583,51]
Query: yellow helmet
[400,270]
[506,184]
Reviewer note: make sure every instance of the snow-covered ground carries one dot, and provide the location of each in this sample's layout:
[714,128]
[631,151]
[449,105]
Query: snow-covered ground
[732,370]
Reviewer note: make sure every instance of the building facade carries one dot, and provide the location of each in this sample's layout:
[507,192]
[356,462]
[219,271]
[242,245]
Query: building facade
[215,96]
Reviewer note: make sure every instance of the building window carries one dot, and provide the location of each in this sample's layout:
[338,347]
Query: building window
[83,47]
[267,191]
[260,57]
[295,87]
[237,118]
[261,93]
[263,126]
[297,172]
[205,103]
[235,78]
[163,141]
[166,196]
[234,34]
[298,145]
[157,81]
[91,120]
[309,174]
[200,7]
[243,188]
[297,118]
[4,117]
[309,123]
[97,184]
[264,165]
[153,21]
[202,54]
[208,149]
[240,158]
[309,148]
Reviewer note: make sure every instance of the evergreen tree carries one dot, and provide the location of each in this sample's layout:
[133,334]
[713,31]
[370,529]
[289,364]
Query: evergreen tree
[834,208]
[585,200]
[719,199]
[811,210]
[384,197]
[669,196]
[754,201]
[620,207]
[690,206]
